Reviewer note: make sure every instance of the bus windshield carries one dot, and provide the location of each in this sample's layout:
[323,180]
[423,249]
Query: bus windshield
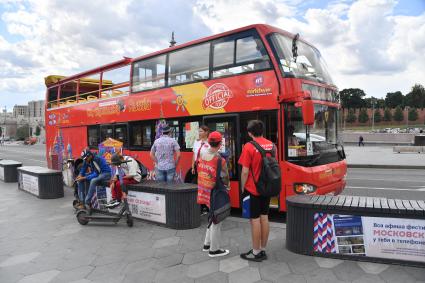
[318,144]
[308,63]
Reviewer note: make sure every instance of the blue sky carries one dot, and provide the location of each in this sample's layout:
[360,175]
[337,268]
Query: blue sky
[375,45]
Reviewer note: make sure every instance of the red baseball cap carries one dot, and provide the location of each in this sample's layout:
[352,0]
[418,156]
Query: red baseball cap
[215,137]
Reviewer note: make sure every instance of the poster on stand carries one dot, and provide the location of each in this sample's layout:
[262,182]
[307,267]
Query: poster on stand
[30,184]
[379,237]
[147,206]
[1,173]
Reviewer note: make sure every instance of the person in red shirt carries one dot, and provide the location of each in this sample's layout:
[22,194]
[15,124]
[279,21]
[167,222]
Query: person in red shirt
[250,161]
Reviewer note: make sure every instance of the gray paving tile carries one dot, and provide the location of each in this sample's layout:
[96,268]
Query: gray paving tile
[372,268]
[348,271]
[82,281]
[201,269]
[168,261]
[368,278]
[194,257]
[417,272]
[321,275]
[140,266]
[165,242]
[292,278]
[167,251]
[302,265]
[10,276]
[245,275]
[105,272]
[231,264]
[18,259]
[46,277]
[73,275]
[148,275]
[397,274]
[175,273]
[272,272]
[216,277]
[327,262]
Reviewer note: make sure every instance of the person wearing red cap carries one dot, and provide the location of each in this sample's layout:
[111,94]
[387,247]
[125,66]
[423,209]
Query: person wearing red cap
[250,161]
[207,173]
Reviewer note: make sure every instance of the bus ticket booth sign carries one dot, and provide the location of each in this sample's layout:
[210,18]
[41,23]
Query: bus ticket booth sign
[378,237]
[147,206]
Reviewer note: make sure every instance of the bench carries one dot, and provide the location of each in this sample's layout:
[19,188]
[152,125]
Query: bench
[8,172]
[42,182]
[173,205]
[411,148]
[357,228]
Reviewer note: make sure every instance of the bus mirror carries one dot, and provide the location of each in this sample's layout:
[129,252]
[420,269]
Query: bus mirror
[308,112]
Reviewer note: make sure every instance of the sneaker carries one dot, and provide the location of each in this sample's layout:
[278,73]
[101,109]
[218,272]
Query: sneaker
[264,255]
[251,257]
[113,203]
[206,248]
[81,206]
[218,253]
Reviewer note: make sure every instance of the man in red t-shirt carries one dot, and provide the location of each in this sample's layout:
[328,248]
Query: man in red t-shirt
[250,161]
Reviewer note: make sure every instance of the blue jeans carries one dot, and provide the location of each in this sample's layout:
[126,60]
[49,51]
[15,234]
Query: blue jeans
[103,177]
[82,190]
[165,175]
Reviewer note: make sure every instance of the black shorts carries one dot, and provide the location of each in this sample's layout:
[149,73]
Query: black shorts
[259,205]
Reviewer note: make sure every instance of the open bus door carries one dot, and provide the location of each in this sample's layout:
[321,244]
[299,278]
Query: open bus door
[228,126]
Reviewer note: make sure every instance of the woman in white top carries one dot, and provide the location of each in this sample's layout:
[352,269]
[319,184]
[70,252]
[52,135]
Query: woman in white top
[200,146]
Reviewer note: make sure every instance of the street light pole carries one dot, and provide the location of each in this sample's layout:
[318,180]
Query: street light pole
[373,114]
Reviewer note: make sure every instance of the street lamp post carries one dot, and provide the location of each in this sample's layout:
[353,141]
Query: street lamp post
[373,114]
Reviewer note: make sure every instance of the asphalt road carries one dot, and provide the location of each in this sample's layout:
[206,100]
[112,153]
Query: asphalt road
[390,183]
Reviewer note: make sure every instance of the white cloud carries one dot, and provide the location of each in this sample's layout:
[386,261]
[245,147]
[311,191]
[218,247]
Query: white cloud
[363,42]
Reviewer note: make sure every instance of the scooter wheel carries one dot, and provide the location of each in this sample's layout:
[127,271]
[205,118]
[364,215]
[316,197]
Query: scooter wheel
[130,221]
[82,217]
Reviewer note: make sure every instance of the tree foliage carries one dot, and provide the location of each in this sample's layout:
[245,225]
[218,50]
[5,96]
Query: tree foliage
[377,116]
[22,132]
[37,131]
[394,99]
[351,116]
[352,98]
[416,97]
[398,114]
[363,116]
[387,115]
[413,114]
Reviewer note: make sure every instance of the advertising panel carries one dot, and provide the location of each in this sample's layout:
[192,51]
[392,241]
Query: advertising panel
[1,173]
[30,184]
[147,206]
[378,237]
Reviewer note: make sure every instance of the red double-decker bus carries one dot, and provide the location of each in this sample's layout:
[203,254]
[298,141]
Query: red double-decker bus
[222,81]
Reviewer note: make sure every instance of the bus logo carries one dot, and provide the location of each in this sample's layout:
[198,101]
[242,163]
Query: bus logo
[259,80]
[217,96]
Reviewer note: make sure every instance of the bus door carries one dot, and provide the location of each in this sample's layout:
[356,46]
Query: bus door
[228,125]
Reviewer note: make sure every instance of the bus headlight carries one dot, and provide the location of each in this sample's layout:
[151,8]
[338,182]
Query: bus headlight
[304,189]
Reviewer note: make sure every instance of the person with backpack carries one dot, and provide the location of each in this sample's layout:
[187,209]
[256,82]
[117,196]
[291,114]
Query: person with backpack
[132,175]
[212,178]
[99,172]
[260,180]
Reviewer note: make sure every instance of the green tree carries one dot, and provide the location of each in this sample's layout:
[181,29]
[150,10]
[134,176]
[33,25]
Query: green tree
[416,97]
[387,115]
[377,116]
[22,132]
[37,131]
[413,114]
[352,98]
[398,114]
[351,116]
[363,116]
[394,99]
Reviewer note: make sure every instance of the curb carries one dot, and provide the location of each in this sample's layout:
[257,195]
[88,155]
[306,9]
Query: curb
[377,166]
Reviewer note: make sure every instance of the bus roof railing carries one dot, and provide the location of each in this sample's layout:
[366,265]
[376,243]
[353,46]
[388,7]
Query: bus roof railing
[113,65]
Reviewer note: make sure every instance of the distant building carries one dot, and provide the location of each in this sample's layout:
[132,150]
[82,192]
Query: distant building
[36,108]
[20,110]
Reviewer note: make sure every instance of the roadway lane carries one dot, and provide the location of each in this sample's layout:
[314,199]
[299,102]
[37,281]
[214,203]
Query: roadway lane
[389,183]
[29,155]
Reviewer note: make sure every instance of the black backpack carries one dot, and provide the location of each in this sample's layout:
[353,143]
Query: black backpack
[219,199]
[269,183]
[143,169]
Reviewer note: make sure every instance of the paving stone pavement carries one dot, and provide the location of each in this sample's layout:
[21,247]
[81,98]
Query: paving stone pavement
[41,241]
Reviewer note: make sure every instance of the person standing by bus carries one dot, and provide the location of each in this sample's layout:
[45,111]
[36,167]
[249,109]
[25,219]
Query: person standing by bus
[251,162]
[165,153]
[207,174]
[200,147]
